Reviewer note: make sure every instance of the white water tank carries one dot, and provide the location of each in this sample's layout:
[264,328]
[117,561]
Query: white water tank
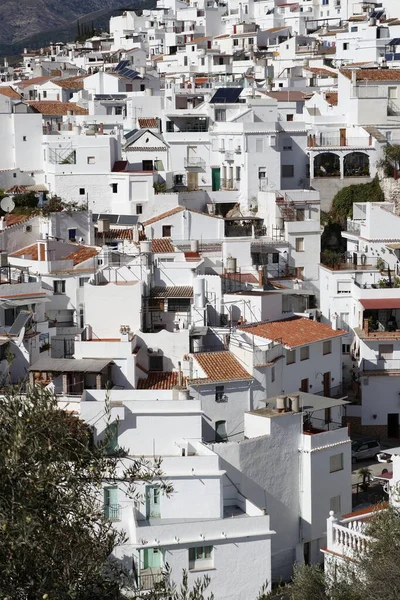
[231,264]
[294,400]
[145,246]
[199,292]
[281,403]
[194,245]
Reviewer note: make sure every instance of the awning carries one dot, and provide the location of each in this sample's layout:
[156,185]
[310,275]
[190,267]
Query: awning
[379,304]
[71,365]
[10,303]
[179,291]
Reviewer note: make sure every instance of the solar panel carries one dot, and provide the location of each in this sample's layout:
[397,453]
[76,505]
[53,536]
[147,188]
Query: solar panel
[394,42]
[122,64]
[129,73]
[226,95]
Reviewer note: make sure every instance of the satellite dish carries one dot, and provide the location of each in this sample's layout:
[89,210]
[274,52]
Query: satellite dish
[7,204]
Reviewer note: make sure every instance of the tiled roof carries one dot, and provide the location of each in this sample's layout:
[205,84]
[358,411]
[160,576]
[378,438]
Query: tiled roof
[17,189]
[70,83]
[332,98]
[9,92]
[177,291]
[15,219]
[117,234]
[161,245]
[366,511]
[374,74]
[275,29]
[29,252]
[220,366]
[175,211]
[200,39]
[159,381]
[54,107]
[242,277]
[33,81]
[192,256]
[293,332]
[148,123]
[146,149]
[161,216]
[81,254]
[320,71]
[289,96]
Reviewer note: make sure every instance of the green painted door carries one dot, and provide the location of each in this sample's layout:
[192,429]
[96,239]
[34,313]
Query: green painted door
[112,437]
[216,179]
[111,507]
[152,502]
[152,558]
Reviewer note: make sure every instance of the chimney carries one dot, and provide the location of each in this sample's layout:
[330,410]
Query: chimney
[25,50]
[354,78]
[101,129]
[3,224]
[260,276]
[180,375]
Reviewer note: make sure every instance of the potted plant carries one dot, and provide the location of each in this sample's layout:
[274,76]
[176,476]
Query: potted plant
[365,474]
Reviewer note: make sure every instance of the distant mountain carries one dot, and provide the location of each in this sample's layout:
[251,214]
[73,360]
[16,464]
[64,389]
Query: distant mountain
[33,23]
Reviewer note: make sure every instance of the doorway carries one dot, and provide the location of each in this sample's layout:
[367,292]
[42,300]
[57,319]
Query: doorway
[393,425]
[304,385]
[327,384]
[215,179]
[153,502]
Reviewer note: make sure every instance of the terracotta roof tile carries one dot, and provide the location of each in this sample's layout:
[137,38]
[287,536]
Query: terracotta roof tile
[242,277]
[29,252]
[320,71]
[220,366]
[366,511]
[148,123]
[15,219]
[159,381]
[374,74]
[9,92]
[117,234]
[70,83]
[198,40]
[293,332]
[54,107]
[161,245]
[81,254]
[192,256]
[332,98]
[177,291]
[34,81]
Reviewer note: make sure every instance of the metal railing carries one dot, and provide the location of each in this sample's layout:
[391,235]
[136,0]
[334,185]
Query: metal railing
[337,391]
[353,227]
[238,231]
[149,581]
[338,141]
[112,512]
[198,163]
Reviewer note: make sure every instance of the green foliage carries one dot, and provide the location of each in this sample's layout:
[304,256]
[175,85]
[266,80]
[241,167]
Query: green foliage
[342,204]
[331,259]
[55,540]
[391,160]
[160,188]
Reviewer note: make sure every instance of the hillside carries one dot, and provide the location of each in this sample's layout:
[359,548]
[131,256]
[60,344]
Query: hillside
[33,23]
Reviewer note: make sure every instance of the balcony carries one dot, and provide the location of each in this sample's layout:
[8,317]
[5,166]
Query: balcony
[229,157]
[197,164]
[338,141]
[112,512]
[381,365]
[338,262]
[149,579]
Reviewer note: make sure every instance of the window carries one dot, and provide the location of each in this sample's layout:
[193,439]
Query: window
[91,160]
[14,175]
[346,46]
[272,374]
[166,230]
[287,146]
[156,362]
[185,61]
[201,557]
[202,62]
[289,117]
[72,235]
[219,393]
[44,95]
[237,173]
[305,353]
[251,40]
[179,305]
[354,29]
[262,172]
[147,165]
[118,110]
[114,187]
[142,87]
[111,506]
[59,286]
[236,42]
[259,145]
[346,348]
[24,138]
[170,126]
[344,321]
[139,209]
[220,431]
[83,280]
[336,463]
[385,351]
[327,347]
[220,114]
[275,257]
[299,244]
[290,357]
[81,191]
[344,287]
[335,504]
[287,171]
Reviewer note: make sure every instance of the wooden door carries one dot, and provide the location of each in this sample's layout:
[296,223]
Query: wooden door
[327,384]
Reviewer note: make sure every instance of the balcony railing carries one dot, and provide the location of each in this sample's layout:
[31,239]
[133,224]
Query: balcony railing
[112,512]
[338,141]
[337,391]
[353,227]
[194,163]
[149,579]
